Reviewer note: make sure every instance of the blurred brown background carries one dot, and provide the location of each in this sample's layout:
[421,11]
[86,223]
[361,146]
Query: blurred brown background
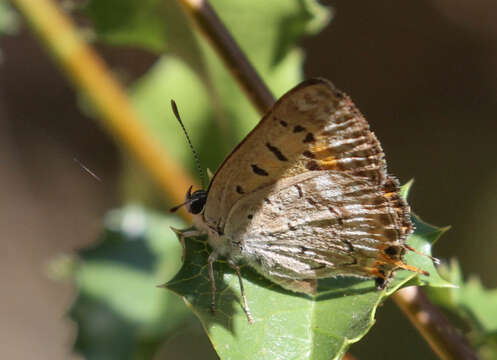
[423,72]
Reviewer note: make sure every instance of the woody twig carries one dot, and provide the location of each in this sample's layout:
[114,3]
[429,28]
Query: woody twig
[443,338]
[208,23]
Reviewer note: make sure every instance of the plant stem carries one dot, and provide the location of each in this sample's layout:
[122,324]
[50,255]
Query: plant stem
[208,23]
[443,338]
[89,74]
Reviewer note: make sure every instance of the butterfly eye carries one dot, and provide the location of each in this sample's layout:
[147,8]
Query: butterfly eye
[196,201]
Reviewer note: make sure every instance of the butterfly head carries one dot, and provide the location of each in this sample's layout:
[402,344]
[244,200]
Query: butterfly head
[194,202]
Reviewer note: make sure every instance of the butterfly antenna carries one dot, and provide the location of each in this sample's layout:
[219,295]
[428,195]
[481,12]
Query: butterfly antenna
[195,154]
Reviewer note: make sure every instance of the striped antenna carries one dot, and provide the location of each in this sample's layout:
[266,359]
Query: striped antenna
[195,154]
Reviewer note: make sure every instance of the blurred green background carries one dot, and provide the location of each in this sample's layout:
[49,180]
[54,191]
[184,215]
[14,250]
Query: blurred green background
[424,74]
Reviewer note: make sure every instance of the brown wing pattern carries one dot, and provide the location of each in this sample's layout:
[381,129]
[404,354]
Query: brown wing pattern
[312,127]
[320,224]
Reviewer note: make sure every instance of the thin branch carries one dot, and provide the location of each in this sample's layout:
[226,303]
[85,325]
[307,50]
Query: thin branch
[89,74]
[443,338]
[208,23]
[438,332]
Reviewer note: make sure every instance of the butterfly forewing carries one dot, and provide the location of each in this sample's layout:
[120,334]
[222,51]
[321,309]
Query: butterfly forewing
[312,127]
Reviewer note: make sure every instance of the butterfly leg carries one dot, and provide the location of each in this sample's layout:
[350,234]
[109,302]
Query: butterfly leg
[242,290]
[210,262]
[182,234]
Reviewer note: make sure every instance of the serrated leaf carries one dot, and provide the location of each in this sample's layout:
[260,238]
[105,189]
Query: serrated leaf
[406,189]
[473,306]
[119,311]
[423,239]
[289,325]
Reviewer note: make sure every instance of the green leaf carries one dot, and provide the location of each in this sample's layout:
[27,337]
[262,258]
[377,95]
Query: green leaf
[128,22]
[472,306]
[289,325]
[120,312]
[423,239]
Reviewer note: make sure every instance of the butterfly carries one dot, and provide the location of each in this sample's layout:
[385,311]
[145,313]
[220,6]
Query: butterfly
[305,196]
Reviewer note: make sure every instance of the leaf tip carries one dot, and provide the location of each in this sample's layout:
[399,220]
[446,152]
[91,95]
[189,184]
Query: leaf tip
[444,229]
[406,188]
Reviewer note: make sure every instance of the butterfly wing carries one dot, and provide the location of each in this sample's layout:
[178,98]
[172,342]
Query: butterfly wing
[319,224]
[306,194]
[313,127]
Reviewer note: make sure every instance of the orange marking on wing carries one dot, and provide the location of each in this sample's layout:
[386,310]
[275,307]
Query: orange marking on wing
[322,151]
[375,272]
[378,273]
[324,156]
[328,163]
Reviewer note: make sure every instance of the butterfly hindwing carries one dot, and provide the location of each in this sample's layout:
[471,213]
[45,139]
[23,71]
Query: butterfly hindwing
[318,224]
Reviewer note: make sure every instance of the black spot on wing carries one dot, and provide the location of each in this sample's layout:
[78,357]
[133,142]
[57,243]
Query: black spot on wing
[349,245]
[336,213]
[311,201]
[298,128]
[299,190]
[239,190]
[392,251]
[312,165]
[283,123]
[309,154]
[259,171]
[380,283]
[309,138]
[276,152]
